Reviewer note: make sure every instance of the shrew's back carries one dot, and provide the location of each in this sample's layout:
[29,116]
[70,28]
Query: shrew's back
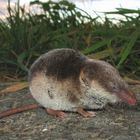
[60,63]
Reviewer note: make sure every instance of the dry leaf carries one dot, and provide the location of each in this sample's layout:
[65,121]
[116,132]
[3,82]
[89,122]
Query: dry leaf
[15,87]
[131,81]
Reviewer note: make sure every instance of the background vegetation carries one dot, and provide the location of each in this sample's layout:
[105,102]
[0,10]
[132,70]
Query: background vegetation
[26,35]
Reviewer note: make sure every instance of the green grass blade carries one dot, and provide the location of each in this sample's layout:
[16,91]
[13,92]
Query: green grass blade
[21,58]
[128,48]
[95,47]
[123,11]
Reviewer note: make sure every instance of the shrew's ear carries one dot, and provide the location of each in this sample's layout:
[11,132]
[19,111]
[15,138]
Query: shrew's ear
[83,78]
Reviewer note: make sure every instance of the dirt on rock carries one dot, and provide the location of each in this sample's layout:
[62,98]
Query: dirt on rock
[117,122]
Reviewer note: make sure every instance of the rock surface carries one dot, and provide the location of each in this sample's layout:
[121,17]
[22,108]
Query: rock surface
[118,122]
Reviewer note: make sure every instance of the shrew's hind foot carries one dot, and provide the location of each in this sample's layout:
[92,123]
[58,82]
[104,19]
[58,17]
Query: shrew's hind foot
[84,113]
[56,113]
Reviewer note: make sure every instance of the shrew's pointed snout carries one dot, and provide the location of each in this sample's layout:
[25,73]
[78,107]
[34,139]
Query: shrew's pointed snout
[127,96]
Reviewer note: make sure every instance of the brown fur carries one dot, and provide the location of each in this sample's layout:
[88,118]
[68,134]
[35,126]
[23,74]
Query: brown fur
[72,98]
[60,63]
[104,73]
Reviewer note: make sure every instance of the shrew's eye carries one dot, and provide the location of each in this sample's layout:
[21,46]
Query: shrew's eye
[114,86]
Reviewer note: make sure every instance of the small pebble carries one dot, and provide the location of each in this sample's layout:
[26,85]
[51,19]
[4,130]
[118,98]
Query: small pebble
[45,129]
